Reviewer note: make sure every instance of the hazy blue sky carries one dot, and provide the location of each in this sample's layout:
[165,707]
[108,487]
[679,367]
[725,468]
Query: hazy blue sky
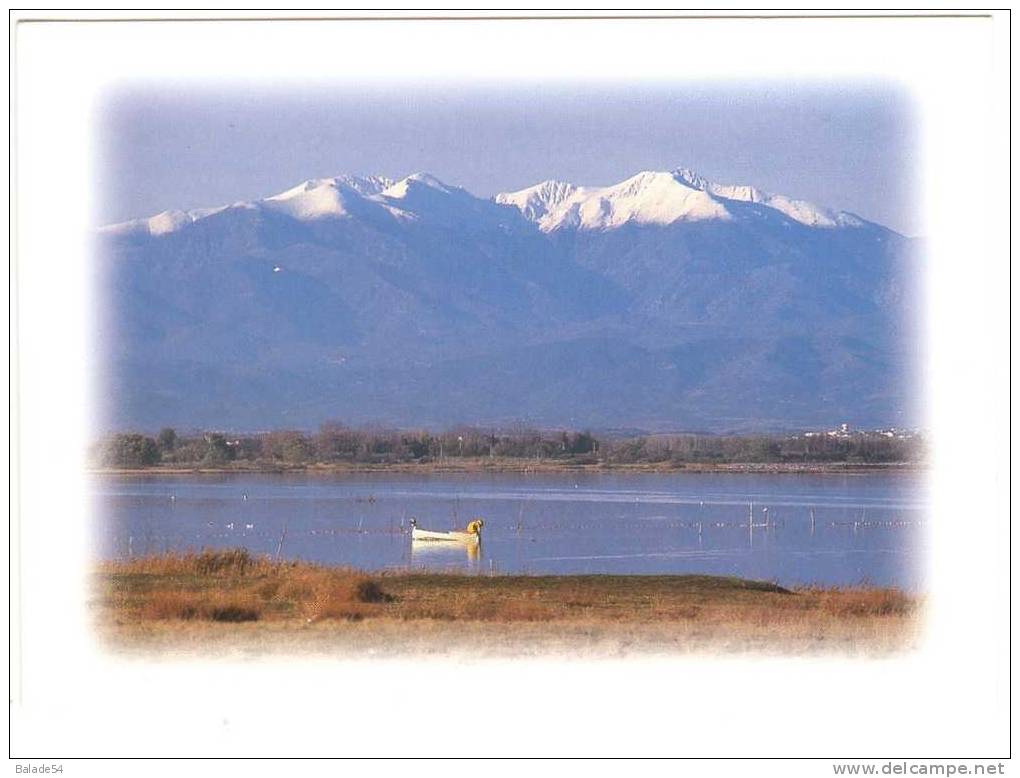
[850,147]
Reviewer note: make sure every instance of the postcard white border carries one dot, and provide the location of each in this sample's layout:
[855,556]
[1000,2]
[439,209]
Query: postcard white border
[950,699]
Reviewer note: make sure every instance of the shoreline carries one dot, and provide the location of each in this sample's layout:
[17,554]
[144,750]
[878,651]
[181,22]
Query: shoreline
[216,601]
[519,467]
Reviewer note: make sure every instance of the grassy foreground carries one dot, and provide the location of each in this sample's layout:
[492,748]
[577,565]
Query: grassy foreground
[214,601]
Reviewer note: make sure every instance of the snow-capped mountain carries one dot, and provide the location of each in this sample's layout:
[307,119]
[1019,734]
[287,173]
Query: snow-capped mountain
[650,197]
[661,198]
[663,301]
[418,197]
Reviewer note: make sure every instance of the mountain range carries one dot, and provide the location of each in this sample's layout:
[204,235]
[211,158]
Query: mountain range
[663,302]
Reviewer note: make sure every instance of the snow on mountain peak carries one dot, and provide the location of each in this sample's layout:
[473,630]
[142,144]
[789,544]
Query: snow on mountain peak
[428,179]
[343,196]
[325,197]
[653,197]
[160,224]
[400,189]
[537,201]
[364,185]
[168,221]
[691,178]
[799,211]
[649,197]
[310,200]
[657,197]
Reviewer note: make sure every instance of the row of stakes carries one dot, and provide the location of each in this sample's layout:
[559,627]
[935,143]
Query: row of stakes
[767,524]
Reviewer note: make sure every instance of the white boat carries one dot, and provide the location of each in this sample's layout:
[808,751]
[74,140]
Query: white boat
[472,534]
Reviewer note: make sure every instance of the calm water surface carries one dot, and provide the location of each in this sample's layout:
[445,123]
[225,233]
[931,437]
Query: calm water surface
[866,528]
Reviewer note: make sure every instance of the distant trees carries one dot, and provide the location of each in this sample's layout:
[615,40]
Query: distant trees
[287,446]
[336,443]
[166,439]
[217,450]
[129,450]
[418,446]
[583,443]
[861,448]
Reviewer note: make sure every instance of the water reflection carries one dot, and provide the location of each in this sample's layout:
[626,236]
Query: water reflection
[427,552]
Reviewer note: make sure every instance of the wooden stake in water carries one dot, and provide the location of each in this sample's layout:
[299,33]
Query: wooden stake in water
[283,535]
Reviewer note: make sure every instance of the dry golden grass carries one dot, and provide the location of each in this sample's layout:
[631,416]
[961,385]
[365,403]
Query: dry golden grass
[174,594]
[230,562]
[232,585]
[199,605]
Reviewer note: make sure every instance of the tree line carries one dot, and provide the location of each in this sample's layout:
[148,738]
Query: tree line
[336,443]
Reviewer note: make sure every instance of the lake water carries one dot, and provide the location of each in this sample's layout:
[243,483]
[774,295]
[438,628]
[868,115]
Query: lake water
[866,528]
